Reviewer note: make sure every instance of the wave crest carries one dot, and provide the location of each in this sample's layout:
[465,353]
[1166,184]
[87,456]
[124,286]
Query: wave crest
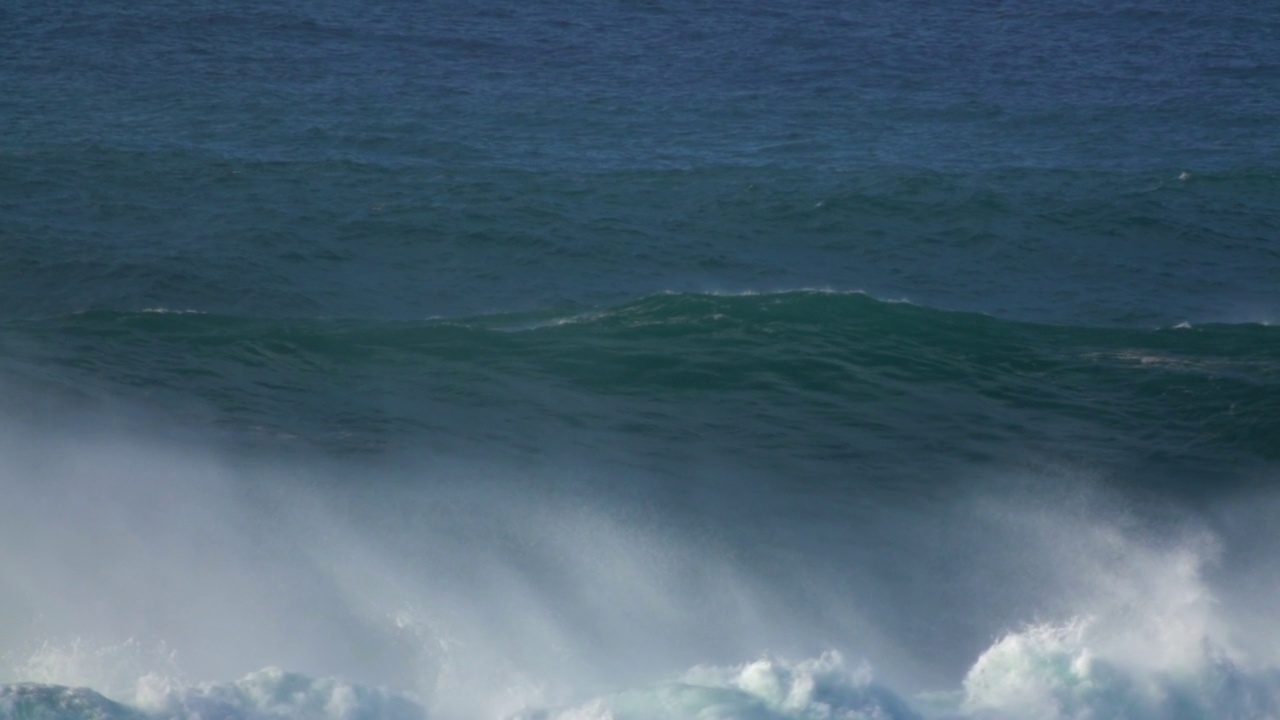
[1057,672]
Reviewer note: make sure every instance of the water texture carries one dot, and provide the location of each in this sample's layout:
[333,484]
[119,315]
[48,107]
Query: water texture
[648,359]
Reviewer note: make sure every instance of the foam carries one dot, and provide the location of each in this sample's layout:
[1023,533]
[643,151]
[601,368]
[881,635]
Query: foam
[767,689]
[269,694]
[526,605]
[1063,672]
[272,694]
[1043,672]
[35,701]
[1080,669]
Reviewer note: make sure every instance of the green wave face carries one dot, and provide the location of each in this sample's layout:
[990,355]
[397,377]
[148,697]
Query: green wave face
[841,372]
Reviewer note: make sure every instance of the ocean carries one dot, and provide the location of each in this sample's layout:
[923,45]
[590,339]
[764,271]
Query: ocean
[639,359]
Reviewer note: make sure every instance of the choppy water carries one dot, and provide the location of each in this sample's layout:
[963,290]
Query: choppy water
[639,360]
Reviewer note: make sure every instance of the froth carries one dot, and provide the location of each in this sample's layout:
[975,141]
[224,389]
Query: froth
[766,689]
[1064,672]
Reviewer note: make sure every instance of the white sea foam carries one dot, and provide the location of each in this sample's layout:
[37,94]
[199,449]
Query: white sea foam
[768,689]
[487,598]
[112,670]
[1156,647]
[273,694]
[172,311]
[1068,671]
[1072,672]
[1043,672]
[269,694]
[1164,666]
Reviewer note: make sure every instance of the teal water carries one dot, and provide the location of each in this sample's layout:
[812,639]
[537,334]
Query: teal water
[639,360]
[97,228]
[846,377]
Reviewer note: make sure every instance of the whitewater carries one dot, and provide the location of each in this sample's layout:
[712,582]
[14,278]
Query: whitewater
[639,359]
[474,597]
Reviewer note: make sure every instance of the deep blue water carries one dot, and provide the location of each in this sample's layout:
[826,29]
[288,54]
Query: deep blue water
[639,360]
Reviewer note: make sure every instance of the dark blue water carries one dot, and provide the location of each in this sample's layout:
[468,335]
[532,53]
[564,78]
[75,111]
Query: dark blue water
[639,360]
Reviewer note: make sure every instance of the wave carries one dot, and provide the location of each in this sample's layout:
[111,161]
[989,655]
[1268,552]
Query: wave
[1044,672]
[269,694]
[409,587]
[796,321]
[1074,247]
[400,593]
[820,310]
[844,356]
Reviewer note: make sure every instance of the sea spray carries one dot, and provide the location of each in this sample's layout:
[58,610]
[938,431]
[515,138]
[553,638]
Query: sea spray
[363,361]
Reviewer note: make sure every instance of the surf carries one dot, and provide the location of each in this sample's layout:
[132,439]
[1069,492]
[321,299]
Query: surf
[458,588]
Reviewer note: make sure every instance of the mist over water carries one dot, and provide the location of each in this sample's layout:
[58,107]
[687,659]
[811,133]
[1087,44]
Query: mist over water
[639,361]
[485,588]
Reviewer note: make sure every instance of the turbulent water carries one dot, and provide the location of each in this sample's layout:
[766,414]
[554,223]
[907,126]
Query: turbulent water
[639,360]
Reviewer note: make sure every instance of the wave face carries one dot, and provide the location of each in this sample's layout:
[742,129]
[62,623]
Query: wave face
[641,359]
[844,373]
[391,240]
[548,515]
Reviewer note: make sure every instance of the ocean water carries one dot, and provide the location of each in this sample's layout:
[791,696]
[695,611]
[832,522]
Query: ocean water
[639,359]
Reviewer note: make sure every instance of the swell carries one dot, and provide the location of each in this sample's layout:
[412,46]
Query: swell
[446,229]
[459,582]
[836,374]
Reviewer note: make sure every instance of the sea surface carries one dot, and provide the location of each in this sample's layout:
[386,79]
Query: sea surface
[639,359]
